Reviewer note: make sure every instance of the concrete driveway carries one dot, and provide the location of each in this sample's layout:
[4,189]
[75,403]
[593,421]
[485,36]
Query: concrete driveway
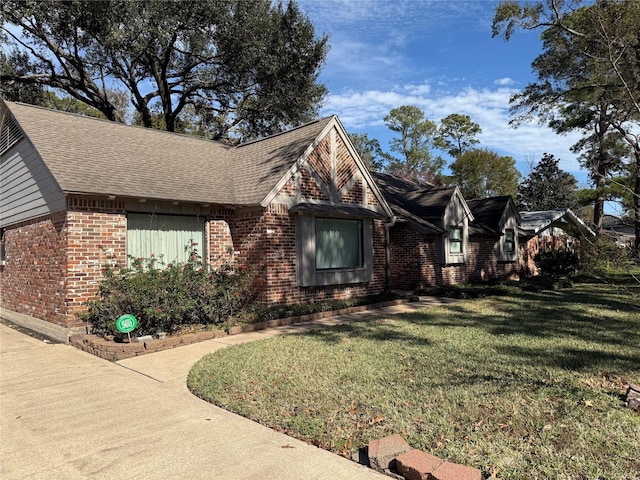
[66,414]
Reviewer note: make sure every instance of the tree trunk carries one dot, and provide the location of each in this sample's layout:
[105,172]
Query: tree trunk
[598,205]
[636,207]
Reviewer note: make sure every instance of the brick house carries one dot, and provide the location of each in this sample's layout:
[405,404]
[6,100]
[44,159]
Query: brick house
[438,238]
[547,230]
[77,191]
[495,239]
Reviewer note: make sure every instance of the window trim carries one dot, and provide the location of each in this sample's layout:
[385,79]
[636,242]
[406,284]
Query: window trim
[307,273]
[456,241]
[507,241]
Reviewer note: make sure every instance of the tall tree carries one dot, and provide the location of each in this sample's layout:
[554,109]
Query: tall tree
[602,153]
[369,151]
[457,134]
[548,187]
[16,64]
[245,68]
[591,58]
[481,173]
[416,138]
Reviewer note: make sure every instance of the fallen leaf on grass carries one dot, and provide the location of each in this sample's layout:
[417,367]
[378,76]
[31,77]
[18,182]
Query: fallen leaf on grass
[377,419]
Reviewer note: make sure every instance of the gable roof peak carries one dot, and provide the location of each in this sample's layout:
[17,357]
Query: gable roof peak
[323,120]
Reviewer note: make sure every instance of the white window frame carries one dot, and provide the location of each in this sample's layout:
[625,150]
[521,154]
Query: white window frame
[456,241]
[505,254]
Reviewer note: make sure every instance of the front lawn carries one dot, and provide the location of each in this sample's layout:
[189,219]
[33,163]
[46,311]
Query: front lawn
[529,385]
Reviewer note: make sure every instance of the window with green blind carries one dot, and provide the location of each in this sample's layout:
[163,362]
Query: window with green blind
[166,236]
[338,243]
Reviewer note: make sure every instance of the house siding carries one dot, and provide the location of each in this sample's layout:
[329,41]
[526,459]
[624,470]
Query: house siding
[27,189]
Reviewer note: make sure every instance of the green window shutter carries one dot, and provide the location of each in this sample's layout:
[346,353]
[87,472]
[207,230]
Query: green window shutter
[166,236]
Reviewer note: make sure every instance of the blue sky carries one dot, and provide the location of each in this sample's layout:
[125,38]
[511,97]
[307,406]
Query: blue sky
[439,56]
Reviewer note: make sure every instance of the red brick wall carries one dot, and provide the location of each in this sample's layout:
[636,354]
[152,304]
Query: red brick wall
[219,246]
[97,234]
[33,280]
[54,263]
[415,264]
[309,188]
[346,168]
[407,257]
[268,238]
[320,161]
[484,264]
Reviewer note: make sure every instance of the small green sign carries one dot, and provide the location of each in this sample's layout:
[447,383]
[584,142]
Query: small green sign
[126,323]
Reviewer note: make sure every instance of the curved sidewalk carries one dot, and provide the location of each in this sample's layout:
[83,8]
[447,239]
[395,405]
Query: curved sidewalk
[66,414]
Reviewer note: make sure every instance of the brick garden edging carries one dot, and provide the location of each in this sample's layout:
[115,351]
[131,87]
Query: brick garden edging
[114,351]
[394,457]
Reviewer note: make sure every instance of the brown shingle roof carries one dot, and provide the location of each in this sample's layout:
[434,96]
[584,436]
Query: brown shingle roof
[93,156]
[259,165]
[487,213]
[416,202]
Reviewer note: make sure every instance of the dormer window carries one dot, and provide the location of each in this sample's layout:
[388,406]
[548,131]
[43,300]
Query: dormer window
[455,240]
[509,241]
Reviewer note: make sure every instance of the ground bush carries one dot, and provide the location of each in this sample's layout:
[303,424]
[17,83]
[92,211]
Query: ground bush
[166,297]
[557,264]
[601,255]
[261,312]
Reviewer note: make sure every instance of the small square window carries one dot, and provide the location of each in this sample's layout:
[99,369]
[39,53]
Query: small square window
[455,240]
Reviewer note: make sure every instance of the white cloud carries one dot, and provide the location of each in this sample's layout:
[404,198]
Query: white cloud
[363,111]
[423,89]
[504,82]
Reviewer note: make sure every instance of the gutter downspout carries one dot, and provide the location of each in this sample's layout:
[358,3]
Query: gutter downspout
[387,227]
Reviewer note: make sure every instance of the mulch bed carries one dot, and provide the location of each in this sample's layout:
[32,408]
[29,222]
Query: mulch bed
[113,350]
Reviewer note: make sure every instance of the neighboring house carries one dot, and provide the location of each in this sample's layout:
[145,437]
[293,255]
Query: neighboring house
[429,240]
[619,230]
[550,230]
[495,240]
[77,192]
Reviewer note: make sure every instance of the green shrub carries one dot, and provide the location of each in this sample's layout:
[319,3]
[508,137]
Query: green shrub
[265,312]
[165,297]
[557,263]
[601,255]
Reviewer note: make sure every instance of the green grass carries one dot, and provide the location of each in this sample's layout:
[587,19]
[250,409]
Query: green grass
[529,385]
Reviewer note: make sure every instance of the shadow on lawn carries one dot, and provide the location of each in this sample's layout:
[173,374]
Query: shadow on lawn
[384,332]
[610,327]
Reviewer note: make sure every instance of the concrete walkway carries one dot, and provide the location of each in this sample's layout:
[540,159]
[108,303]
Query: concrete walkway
[66,414]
